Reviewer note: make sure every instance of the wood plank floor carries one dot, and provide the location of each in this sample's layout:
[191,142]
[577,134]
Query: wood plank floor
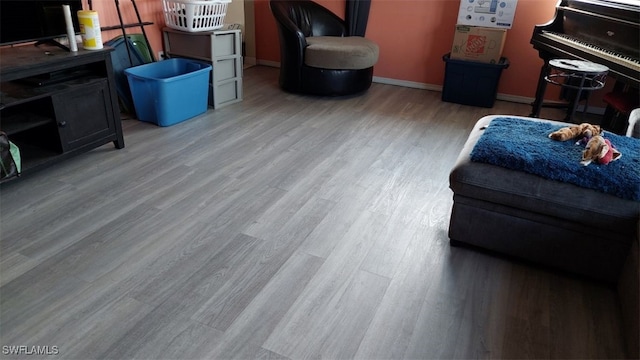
[285,227]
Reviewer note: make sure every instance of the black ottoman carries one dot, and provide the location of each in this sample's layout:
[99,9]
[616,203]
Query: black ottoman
[543,221]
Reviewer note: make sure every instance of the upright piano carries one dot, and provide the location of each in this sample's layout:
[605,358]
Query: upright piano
[606,32]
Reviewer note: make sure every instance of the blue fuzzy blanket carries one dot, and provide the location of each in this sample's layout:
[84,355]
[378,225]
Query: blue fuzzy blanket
[524,145]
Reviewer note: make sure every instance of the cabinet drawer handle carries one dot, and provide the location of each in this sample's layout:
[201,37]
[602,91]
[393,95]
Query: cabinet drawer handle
[62,124]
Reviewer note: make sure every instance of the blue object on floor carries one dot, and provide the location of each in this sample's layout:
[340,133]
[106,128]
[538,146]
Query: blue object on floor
[169,91]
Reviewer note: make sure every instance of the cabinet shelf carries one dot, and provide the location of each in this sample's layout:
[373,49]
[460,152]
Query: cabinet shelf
[34,156]
[16,123]
[18,92]
[55,104]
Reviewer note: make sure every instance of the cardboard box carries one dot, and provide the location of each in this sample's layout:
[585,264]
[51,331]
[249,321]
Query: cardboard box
[487,13]
[481,44]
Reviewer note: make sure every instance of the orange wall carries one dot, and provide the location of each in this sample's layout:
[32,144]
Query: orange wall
[413,36]
[150,11]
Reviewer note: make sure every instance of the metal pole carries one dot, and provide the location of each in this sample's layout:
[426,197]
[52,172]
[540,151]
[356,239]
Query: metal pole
[124,33]
[144,33]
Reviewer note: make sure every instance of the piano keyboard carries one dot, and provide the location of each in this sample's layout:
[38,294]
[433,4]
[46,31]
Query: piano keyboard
[623,60]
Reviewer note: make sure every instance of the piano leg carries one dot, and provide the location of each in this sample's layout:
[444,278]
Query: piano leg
[573,103]
[542,87]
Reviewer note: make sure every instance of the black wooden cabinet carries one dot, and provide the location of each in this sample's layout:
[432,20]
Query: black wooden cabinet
[55,104]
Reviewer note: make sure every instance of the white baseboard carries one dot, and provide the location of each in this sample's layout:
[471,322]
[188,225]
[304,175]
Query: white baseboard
[515,98]
[432,87]
[503,97]
[275,64]
[250,61]
[405,83]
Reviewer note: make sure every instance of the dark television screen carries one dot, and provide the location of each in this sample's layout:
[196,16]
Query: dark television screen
[35,20]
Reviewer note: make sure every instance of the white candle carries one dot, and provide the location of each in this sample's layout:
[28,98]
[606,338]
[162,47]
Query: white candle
[71,34]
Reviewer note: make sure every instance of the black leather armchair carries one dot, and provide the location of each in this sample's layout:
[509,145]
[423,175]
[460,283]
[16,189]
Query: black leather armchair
[305,26]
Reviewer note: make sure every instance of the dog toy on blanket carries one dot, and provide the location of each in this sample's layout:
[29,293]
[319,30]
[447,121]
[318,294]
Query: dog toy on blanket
[600,150]
[571,132]
[597,148]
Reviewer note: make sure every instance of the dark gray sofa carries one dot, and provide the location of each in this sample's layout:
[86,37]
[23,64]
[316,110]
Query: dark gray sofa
[547,222]
[550,223]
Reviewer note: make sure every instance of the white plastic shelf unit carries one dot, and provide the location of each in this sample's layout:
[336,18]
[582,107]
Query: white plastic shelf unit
[223,48]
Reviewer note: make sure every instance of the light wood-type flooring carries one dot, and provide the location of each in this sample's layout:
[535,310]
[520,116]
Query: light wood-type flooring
[280,227]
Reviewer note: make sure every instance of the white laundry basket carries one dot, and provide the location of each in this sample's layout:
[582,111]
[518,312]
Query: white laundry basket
[195,15]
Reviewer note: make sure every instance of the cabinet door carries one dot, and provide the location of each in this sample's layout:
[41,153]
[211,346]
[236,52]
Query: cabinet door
[83,114]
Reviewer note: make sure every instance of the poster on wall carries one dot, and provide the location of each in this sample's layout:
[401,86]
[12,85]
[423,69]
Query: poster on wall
[487,13]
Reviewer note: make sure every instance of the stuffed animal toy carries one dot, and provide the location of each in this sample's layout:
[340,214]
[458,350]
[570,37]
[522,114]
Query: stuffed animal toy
[600,150]
[571,132]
